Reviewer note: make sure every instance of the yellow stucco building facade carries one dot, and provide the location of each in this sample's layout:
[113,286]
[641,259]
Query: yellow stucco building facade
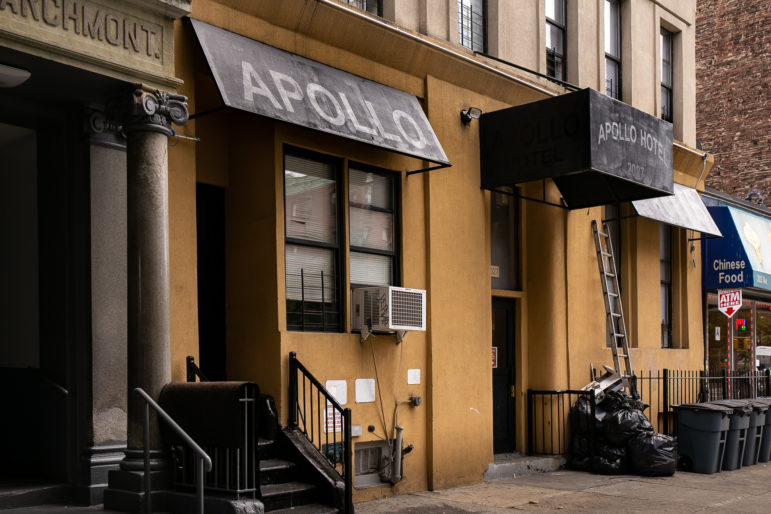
[444,221]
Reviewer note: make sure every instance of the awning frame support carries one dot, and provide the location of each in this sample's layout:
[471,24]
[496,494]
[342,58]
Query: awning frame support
[537,200]
[431,168]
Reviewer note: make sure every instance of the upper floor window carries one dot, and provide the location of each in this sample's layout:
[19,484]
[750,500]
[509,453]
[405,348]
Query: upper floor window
[666,66]
[665,261]
[555,39]
[371,6]
[471,24]
[613,49]
[371,212]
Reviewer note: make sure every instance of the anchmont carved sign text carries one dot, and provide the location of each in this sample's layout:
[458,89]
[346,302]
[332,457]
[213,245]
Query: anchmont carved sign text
[90,21]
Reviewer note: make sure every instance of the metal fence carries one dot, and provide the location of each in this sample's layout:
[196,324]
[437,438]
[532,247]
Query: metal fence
[548,412]
[548,420]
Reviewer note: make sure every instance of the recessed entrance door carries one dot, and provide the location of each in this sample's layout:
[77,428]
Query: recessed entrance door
[504,414]
[210,214]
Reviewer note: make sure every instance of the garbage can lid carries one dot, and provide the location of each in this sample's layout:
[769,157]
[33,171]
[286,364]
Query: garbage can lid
[738,406]
[704,407]
[759,405]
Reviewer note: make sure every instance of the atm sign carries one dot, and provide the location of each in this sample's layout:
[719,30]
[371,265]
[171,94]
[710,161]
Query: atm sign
[729,301]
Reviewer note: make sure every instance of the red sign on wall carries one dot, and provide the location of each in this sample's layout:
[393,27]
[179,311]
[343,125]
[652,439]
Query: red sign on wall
[495,357]
[729,301]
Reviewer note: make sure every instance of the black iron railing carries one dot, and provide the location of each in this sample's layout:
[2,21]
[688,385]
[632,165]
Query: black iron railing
[548,420]
[193,371]
[669,387]
[315,413]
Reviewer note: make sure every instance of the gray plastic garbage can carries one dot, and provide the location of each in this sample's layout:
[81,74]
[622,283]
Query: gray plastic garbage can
[755,432]
[736,438]
[702,435]
[764,455]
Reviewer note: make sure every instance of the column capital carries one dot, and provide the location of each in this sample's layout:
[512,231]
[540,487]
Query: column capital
[155,110]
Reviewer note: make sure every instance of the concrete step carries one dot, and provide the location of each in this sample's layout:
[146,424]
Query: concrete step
[507,465]
[311,508]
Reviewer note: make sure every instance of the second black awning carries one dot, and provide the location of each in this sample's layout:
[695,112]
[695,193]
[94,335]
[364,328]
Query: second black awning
[596,149]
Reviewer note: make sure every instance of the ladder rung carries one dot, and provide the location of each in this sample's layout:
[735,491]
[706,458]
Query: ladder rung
[612,294]
[606,254]
[608,274]
[615,314]
[603,234]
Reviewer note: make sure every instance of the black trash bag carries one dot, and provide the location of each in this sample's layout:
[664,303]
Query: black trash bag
[580,463]
[580,446]
[623,424]
[581,416]
[652,454]
[617,400]
[603,466]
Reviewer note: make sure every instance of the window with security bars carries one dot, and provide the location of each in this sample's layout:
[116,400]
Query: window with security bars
[665,260]
[555,39]
[613,49]
[371,6]
[312,243]
[665,69]
[472,24]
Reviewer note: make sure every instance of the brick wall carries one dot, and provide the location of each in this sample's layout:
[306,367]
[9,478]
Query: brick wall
[733,97]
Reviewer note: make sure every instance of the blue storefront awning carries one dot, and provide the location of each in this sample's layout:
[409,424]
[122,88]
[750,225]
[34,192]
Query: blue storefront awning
[742,257]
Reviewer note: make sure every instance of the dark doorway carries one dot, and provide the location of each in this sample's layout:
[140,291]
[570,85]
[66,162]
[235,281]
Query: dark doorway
[210,215]
[504,413]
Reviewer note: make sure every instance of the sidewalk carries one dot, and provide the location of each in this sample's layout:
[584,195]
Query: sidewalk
[744,490]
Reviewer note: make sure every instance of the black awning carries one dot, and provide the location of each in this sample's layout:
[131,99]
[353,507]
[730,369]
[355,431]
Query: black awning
[683,209]
[596,149]
[261,79]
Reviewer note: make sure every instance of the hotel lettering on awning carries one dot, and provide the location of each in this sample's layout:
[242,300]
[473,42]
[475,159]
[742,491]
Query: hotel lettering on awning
[596,149]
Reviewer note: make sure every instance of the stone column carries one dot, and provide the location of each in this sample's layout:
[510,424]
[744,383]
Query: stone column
[147,130]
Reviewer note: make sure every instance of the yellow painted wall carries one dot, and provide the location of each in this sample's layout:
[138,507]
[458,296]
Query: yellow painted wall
[445,241]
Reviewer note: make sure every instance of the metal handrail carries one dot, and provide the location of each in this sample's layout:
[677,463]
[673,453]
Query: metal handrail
[294,407]
[203,458]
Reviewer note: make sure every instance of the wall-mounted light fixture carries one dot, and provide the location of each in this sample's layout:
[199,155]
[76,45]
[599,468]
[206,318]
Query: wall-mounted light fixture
[472,113]
[12,77]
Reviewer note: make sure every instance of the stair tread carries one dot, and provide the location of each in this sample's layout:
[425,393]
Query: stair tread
[274,464]
[307,509]
[285,488]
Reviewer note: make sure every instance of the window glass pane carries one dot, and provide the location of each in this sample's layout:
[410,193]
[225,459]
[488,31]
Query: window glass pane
[666,103]
[554,38]
[368,189]
[555,10]
[612,28]
[612,83]
[372,229]
[307,268]
[471,33]
[504,234]
[311,200]
[665,42]
[371,269]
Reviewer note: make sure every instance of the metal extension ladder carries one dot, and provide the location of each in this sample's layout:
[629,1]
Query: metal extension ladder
[613,310]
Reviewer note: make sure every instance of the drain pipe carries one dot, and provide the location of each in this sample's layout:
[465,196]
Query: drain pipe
[396,463]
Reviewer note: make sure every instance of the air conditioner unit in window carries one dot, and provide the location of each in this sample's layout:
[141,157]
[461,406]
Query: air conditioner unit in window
[389,309]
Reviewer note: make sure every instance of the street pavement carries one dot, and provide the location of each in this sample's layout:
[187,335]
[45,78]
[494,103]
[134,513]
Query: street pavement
[744,490]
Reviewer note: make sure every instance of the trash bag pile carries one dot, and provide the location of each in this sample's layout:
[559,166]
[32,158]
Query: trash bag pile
[624,439]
